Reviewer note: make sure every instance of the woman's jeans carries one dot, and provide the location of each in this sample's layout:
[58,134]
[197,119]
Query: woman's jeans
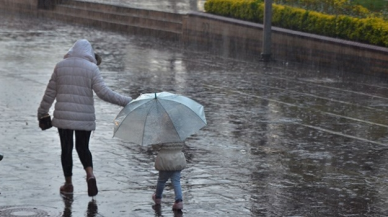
[175,177]
[81,145]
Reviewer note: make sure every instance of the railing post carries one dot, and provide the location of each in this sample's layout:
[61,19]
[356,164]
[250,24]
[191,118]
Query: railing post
[266,53]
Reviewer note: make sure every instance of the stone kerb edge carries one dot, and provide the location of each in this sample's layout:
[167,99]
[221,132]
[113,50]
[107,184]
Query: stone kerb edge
[207,31]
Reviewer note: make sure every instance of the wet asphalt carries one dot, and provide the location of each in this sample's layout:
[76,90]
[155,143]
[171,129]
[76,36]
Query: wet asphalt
[174,6]
[281,140]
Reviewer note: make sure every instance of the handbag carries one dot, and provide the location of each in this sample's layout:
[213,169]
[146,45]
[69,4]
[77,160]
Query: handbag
[45,122]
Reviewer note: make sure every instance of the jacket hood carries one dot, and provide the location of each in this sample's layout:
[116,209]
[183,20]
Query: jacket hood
[82,49]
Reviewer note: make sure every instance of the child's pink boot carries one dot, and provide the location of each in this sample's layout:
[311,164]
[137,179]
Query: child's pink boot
[177,205]
[156,200]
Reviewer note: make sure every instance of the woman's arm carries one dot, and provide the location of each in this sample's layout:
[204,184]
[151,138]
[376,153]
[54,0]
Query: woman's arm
[48,97]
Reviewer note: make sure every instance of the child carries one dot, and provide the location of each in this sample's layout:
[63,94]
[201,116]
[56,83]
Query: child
[170,161]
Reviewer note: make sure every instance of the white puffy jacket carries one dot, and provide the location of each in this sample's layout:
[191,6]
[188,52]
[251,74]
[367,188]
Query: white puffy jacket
[72,84]
[170,157]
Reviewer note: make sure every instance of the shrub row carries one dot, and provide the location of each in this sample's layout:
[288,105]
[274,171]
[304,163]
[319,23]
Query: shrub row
[337,7]
[371,30]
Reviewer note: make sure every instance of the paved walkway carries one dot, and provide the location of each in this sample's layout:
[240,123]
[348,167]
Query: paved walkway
[280,140]
[175,6]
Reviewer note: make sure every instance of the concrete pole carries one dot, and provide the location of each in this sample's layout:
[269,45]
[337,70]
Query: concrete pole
[266,54]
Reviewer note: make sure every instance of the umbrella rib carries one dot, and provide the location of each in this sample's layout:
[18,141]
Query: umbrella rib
[195,114]
[161,105]
[145,121]
[125,118]
[122,111]
[189,108]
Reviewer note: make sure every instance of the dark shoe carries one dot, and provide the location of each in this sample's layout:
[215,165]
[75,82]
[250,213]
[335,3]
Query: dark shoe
[178,213]
[92,186]
[66,189]
[1,157]
[158,210]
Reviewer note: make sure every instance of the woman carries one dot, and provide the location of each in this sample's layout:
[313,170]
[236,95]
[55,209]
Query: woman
[72,84]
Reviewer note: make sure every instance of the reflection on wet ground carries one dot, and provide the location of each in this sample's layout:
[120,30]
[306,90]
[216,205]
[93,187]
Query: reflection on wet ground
[174,6]
[281,140]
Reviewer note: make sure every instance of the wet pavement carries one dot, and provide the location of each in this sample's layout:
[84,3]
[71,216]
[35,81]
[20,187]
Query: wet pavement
[281,140]
[174,6]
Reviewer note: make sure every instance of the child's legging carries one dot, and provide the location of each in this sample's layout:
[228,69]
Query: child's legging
[82,146]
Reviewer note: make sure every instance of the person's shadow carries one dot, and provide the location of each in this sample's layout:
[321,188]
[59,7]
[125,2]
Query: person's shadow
[158,211]
[92,209]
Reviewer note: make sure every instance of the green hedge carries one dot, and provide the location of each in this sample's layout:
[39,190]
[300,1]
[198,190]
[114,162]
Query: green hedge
[366,30]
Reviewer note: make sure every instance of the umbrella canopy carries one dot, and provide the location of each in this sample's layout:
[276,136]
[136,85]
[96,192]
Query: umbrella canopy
[155,118]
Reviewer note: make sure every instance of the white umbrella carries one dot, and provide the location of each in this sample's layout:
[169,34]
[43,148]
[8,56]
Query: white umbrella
[156,118]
